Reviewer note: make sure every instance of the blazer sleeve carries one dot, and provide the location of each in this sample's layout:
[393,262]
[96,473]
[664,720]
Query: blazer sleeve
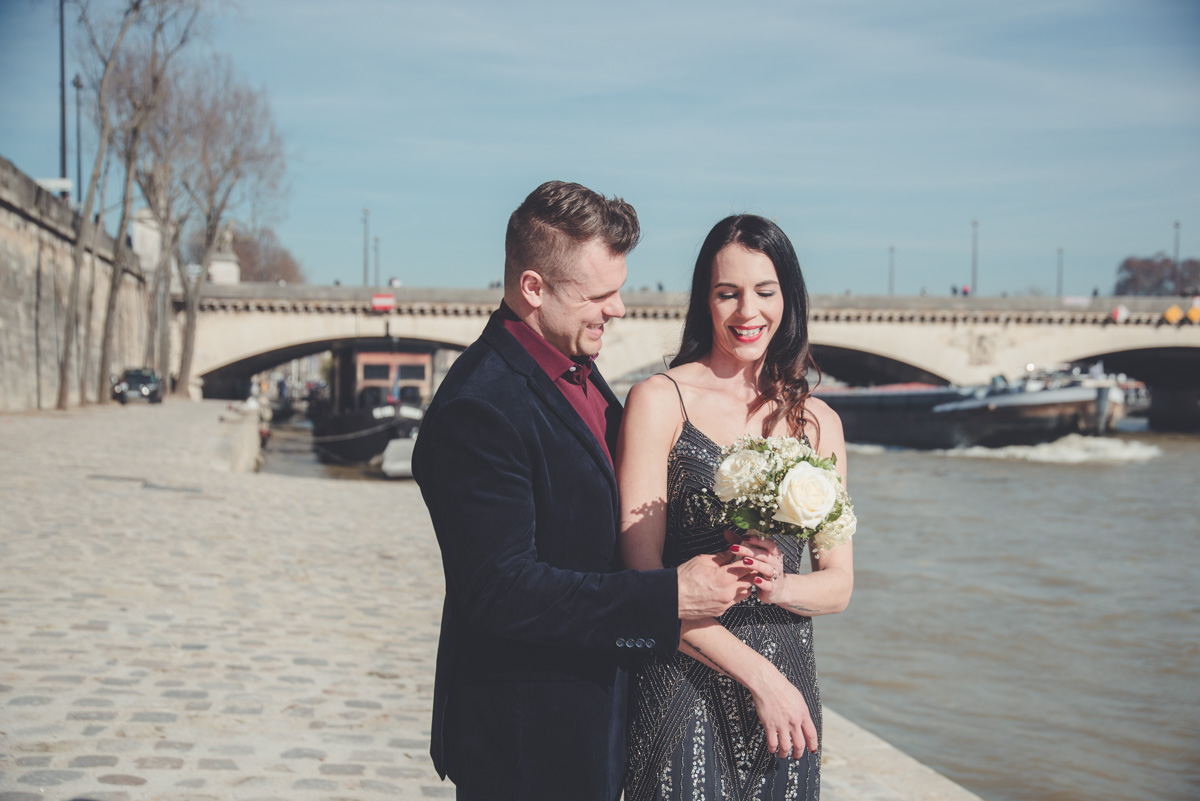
[475,473]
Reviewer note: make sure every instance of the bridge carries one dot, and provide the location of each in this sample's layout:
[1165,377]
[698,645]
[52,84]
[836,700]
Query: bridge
[245,329]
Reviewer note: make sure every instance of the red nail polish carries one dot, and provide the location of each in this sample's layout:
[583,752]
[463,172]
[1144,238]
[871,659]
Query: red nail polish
[747,561]
[758,580]
[733,548]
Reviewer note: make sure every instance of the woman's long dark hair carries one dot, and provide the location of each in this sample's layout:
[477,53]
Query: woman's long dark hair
[784,378]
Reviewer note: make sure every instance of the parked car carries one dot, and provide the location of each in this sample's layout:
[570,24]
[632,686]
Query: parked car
[136,384]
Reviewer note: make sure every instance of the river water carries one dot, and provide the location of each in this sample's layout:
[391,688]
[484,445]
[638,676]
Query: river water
[1026,621]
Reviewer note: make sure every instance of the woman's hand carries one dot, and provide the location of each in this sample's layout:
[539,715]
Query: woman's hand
[765,557]
[784,716]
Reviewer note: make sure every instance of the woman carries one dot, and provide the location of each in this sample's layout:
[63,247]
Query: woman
[735,713]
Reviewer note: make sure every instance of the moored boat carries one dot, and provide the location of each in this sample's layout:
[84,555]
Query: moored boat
[376,397]
[1041,407]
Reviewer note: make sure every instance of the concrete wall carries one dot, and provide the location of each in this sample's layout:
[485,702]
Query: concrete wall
[36,246]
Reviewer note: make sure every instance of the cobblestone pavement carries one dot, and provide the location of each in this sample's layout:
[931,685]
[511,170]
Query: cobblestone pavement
[171,630]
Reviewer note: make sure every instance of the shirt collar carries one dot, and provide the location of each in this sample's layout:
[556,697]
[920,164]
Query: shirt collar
[554,362]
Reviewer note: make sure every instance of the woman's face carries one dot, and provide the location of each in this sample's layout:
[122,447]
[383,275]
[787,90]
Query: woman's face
[745,302]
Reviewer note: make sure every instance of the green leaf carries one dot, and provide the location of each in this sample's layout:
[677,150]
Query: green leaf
[744,519]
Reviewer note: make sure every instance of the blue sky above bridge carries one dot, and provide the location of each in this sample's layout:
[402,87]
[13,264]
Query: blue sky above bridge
[857,126]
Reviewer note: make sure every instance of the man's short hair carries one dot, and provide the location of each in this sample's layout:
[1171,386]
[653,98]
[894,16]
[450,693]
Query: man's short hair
[555,221]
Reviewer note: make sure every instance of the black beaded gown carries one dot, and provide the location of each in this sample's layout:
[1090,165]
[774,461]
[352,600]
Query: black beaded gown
[693,733]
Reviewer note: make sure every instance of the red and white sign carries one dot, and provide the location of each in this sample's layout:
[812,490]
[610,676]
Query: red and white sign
[382,303]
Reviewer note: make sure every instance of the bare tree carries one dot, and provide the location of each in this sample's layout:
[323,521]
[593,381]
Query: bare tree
[106,47]
[236,161]
[140,75]
[160,179]
[1157,275]
[262,257]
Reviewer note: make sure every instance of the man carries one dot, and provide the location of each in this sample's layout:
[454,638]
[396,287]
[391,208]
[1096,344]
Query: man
[515,464]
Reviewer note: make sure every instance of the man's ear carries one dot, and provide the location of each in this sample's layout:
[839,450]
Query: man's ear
[532,287]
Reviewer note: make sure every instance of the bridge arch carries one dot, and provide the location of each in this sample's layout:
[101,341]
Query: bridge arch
[231,380]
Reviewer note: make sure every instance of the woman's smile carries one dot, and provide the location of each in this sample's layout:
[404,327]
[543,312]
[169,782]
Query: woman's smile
[747,335]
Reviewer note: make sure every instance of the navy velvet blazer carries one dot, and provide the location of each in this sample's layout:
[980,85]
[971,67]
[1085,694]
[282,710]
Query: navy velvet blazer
[539,621]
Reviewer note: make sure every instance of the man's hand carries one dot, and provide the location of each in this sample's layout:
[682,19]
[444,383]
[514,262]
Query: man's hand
[711,583]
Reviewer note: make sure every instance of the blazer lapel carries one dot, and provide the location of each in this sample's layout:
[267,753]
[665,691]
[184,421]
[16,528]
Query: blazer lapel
[544,389]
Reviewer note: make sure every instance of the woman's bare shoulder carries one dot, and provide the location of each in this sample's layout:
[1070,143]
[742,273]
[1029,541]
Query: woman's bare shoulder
[821,412]
[655,394]
[827,428]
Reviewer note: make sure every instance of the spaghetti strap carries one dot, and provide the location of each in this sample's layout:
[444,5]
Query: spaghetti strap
[677,392]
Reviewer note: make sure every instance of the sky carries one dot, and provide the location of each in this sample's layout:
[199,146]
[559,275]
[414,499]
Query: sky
[857,127]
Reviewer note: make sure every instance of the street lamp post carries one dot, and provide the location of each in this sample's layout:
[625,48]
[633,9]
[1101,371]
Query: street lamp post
[377,262]
[62,93]
[974,257]
[1060,273]
[891,269]
[1178,268]
[78,84]
[366,245]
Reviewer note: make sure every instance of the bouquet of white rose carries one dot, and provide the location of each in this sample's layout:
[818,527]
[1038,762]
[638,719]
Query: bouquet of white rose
[779,485]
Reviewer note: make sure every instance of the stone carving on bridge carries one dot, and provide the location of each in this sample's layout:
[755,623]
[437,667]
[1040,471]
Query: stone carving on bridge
[981,348]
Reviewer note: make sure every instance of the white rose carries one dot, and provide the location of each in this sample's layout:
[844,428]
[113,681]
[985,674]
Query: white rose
[806,496]
[738,474]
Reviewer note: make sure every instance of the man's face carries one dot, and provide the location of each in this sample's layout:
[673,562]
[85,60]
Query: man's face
[574,311]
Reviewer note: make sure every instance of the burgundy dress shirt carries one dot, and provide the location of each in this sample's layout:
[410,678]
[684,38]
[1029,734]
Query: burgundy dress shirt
[572,376]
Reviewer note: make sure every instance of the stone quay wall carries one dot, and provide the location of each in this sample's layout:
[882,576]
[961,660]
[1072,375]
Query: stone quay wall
[36,250]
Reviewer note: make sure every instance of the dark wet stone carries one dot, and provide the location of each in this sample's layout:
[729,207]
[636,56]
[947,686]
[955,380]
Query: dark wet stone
[445,791]
[304,784]
[173,745]
[63,679]
[92,716]
[193,783]
[303,753]
[390,772]
[102,702]
[193,646]
[304,660]
[372,756]
[20,796]
[92,731]
[34,762]
[49,778]
[218,764]
[242,710]
[364,704]
[382,787]
[31,700]
[154,717]
[403,743]
[159,763]
[196,694]
[93,761]
[342,770]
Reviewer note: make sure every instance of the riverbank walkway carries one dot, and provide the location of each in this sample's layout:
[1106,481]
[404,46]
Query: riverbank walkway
[171,629]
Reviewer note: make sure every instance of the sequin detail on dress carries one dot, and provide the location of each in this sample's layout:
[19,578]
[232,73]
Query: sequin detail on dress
[693,733]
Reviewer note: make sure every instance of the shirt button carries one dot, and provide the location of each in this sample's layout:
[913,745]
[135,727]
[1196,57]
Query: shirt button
[650,643]
[641,643]
[620,642]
